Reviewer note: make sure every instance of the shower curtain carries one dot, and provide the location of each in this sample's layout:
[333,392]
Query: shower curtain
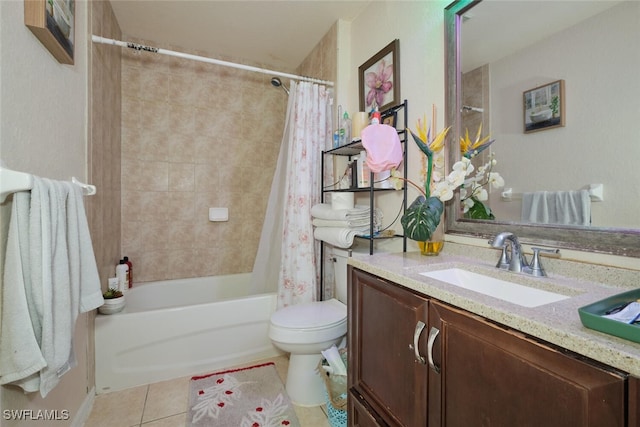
[287,257]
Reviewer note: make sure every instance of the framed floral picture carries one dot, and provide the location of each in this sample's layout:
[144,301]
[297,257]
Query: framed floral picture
[379,80]
[544,107]
[52,22]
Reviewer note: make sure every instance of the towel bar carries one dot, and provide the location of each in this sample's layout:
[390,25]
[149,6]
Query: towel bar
[12,181]
[596,194]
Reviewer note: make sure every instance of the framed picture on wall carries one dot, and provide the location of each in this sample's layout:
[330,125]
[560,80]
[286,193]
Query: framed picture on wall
[52,22]
[544,107]
[379,80]
[389,118]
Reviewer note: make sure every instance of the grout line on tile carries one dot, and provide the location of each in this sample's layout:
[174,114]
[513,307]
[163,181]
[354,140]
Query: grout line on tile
[144,407]
[162,418]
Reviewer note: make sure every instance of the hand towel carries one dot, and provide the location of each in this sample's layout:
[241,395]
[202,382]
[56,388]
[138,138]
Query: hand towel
[559,207]
[340,237]
[20,357]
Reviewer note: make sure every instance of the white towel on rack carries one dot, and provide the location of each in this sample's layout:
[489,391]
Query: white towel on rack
[20,357]
[336,236]
[61,278]
[357,223]
[557,207]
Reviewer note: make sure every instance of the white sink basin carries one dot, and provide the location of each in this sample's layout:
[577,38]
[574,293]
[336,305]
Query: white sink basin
[507,291]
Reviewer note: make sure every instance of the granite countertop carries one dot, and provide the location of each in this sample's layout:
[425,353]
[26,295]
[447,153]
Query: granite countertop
[557,323]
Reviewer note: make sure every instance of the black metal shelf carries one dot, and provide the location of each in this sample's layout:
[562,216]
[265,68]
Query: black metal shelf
[354,148]
[358,190]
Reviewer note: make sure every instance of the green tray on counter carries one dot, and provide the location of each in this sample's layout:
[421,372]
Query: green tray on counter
[591,316]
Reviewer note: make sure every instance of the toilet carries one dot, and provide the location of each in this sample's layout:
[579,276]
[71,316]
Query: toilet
[304,330]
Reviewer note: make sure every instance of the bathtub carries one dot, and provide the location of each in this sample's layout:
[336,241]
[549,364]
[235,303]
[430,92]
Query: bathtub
[182,327]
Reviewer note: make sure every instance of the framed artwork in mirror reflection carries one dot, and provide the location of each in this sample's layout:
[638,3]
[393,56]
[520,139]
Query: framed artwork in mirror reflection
[544,107]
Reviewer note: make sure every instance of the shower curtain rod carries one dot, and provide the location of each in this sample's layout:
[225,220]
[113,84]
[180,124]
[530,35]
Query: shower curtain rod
[136,46]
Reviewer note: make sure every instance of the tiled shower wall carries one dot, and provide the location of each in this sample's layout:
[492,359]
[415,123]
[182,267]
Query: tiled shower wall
[475,93]
[103,209]
[195,136]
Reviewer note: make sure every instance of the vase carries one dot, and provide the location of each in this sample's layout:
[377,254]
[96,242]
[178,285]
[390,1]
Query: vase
[112,305]
[434,245]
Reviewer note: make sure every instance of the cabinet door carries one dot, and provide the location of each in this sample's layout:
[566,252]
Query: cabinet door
[382,363]
[360,415]
[634,402]
[491,376]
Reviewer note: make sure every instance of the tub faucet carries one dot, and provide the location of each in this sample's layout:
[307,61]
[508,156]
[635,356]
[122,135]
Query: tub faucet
[515,261]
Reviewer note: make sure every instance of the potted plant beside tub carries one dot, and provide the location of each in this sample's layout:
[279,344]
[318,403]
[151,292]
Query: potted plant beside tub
[113,301]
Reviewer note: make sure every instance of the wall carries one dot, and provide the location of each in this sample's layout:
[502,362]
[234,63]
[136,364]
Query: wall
[420,28]
[195,136]
[321,62]
[43,116]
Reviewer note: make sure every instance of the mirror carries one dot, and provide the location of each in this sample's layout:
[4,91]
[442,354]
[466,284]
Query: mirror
[549,158]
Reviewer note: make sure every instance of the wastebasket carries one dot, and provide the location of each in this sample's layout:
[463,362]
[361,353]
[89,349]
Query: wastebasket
[336,388]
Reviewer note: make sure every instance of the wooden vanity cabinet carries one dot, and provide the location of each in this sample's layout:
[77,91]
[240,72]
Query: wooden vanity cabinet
[488,374]
[386,385]
[491,375]
[634,402]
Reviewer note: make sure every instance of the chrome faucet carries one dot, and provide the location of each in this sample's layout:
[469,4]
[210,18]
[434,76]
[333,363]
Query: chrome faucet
[516,260]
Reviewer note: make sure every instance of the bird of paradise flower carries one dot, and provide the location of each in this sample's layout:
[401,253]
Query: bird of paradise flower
[379,84]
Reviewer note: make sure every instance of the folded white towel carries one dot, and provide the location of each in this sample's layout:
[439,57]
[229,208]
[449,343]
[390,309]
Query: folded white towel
[324,211]
[344,223]
[557,207]
[340,237]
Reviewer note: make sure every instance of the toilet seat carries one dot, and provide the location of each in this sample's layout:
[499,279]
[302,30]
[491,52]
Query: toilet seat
[310,322]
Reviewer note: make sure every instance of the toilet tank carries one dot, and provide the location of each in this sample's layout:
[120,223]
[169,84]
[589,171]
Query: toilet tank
[340,267]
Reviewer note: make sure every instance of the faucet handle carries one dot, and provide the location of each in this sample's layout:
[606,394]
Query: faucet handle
[536,265]
[505,259]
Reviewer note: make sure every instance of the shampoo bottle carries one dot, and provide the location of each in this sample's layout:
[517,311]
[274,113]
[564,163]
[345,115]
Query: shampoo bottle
[122,273]
[363,170]
[375,117]
[339,132]
[130,265]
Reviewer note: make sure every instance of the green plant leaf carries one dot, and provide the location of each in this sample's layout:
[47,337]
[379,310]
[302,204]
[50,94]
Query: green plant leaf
[421,218]
[479,211]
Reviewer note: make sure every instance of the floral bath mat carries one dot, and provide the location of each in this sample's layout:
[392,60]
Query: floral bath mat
[247,397]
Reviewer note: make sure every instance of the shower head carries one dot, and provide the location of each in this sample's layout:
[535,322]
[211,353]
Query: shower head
[277,83]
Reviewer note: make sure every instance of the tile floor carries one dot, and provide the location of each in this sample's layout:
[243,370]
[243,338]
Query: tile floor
[164,404]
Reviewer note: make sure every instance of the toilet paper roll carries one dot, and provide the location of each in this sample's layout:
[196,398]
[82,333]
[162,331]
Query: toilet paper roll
[359,121]
[342,201]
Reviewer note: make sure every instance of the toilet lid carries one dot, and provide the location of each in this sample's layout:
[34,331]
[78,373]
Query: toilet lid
[310,315]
